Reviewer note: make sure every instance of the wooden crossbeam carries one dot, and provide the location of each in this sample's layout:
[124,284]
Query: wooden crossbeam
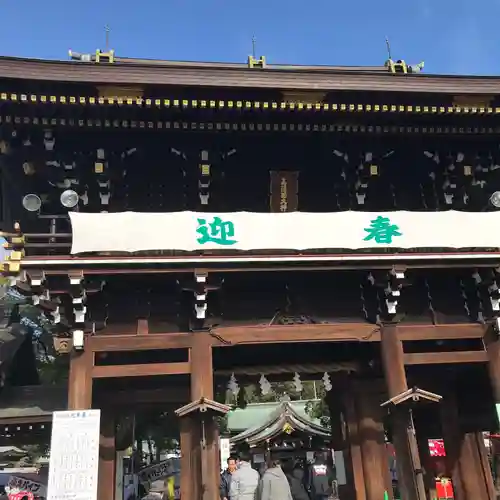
[143,370]
[152,341]
[170,394]
[438,358]
[113,341]
[339,332]
[441,332]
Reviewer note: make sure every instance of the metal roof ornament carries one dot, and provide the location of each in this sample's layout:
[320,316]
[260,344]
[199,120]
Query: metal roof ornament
[400,65]
[253,62]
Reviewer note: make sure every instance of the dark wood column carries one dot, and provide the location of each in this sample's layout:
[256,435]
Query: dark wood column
[107,457]
[80,380]
[475,451]
[371,436]
[200,461]
[354,447]
[485,468]
[344,437]
[465,455]
[425,458]
[202,377]
[410,478]
[493,349]
[190,458]
[452,443]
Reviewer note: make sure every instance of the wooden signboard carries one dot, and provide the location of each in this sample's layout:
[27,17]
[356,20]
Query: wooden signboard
[284,191]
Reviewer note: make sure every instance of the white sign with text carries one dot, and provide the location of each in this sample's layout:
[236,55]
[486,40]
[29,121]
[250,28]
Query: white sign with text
[191,231]
[74,455]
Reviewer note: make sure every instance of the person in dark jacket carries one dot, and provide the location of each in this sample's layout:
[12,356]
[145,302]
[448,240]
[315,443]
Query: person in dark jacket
[296,480]
[225,478]
[320,478]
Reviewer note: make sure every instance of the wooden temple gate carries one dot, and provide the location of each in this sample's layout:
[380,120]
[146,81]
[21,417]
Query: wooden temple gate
[358,401]
[84,147]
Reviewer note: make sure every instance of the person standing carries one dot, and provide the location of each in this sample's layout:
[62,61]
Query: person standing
[244,480]
[320,478]
[225,478]
[274,484]
[296,480]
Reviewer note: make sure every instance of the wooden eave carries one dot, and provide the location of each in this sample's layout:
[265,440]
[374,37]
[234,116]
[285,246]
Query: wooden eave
[202,405]
[133,264]
[283,415]
[31,404]
[412,396]
[240,76]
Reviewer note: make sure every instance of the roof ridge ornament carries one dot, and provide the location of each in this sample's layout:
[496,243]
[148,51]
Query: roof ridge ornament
[253,62]
[101,56]
[400,65]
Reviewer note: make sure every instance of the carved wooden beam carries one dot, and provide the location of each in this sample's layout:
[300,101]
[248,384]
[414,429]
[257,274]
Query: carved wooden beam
[110,340]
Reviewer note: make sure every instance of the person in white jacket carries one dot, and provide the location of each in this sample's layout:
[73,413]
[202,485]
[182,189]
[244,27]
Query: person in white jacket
[244,481]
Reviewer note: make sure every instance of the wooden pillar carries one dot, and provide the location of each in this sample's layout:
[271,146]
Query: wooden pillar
[342,435]
[354,448]
[465,455]
[425,457]
[80,380]
[202,377]
[200,463]
[493,349]
[468,465]
[410,480]
[452,439]
[386,471]
[190,458]
[107,457]
[484,465]
[371,435]
[202,385]
[473,461]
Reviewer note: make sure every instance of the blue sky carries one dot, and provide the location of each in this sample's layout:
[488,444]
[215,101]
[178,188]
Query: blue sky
[451,36]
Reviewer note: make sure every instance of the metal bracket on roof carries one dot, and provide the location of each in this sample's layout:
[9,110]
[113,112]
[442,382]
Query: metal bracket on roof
[400,66]
[253,62]
[105,57]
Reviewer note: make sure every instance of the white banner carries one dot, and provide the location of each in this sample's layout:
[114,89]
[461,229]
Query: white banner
[194,231]
[225,452]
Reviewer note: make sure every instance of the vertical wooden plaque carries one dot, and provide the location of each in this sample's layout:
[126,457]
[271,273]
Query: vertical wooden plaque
[284,191]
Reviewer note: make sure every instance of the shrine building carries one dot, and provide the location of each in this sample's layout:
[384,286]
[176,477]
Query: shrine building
[184,226]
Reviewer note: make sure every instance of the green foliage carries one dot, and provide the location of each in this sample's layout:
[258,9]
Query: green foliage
[319,410]
[160,428]
[222,424]
[53,370]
